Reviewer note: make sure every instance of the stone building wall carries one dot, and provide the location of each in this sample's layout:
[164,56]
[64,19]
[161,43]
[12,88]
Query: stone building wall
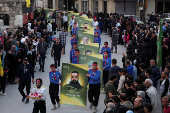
[14,9]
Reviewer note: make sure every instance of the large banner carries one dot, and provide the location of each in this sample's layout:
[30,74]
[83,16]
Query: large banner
[84,22]
[74,84]
[88,49]
[85,37]
[89,59]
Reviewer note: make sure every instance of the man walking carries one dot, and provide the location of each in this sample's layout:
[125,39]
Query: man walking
[25,72]
[57,48]
[65,22]
[54,77]
[62,38]
[114,39]
[94,86]
[41,50]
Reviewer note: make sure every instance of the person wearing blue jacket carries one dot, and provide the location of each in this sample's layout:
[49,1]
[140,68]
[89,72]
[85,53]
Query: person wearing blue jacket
[94,86]
[72,52]
[156,74]
[54,77]
[97,30]
[106,48]
[97,38]
[73,41]
[75,29]
[129,67]
[75,57]
[114,70]
[25,73]
[106,67]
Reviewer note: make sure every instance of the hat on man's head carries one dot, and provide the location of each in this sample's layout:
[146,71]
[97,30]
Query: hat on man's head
[25,59]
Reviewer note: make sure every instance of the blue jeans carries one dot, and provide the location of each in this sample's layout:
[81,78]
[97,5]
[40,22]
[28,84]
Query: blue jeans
[42,61]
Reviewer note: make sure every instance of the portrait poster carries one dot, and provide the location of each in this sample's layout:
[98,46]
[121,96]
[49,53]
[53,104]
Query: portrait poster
[74,84]
[85,37]
[84,22]
[88,49]
[89,59]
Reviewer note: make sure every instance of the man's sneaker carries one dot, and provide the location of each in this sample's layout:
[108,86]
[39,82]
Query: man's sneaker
[27,101]
[23,99]
[91,105]
[3,94]
[95,109]
[58,104]
[54,107]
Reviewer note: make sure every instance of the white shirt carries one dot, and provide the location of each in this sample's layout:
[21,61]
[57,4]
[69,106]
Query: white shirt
[49,27]
[71,22]
[162,88]
[152,92]
[64,18]
[121,81]
[40,91]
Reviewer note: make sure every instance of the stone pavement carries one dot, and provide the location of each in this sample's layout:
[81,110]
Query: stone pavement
[12,102]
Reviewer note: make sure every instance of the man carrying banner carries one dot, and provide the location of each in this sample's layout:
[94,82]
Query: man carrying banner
[75,28]
[106,48]
[75,57]
[73,40]
[54,86]
[97,30]
[39,95]
[106,67]
[72,51]
[94,86]
[97,38]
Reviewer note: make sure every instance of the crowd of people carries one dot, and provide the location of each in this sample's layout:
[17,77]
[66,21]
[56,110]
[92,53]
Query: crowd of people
[131,89]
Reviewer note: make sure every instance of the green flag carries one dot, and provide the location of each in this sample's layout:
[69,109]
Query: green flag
[159,47]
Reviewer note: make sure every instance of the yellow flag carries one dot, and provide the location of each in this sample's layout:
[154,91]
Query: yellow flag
[28,3]
[1,68]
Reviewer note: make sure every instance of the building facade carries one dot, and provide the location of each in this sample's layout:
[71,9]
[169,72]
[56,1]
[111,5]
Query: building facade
[11,14]
[105,6]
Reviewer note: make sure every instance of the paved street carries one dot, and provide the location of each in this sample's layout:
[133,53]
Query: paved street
[12,102]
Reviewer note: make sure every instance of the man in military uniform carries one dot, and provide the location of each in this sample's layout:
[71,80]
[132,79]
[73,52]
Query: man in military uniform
[94,86]
[54,77]
[39,95]
[74,83]
[106,48]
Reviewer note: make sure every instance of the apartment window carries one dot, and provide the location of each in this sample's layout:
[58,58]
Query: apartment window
[85,6]
[95,6]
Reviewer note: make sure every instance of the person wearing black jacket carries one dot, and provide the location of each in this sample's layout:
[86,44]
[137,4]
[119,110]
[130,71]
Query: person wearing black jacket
[54,25]
[25,72]
[41,50]
[57,48]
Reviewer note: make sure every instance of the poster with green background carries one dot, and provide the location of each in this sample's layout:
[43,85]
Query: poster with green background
[89,59]
[85,37]
[88,49]
[74,84]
